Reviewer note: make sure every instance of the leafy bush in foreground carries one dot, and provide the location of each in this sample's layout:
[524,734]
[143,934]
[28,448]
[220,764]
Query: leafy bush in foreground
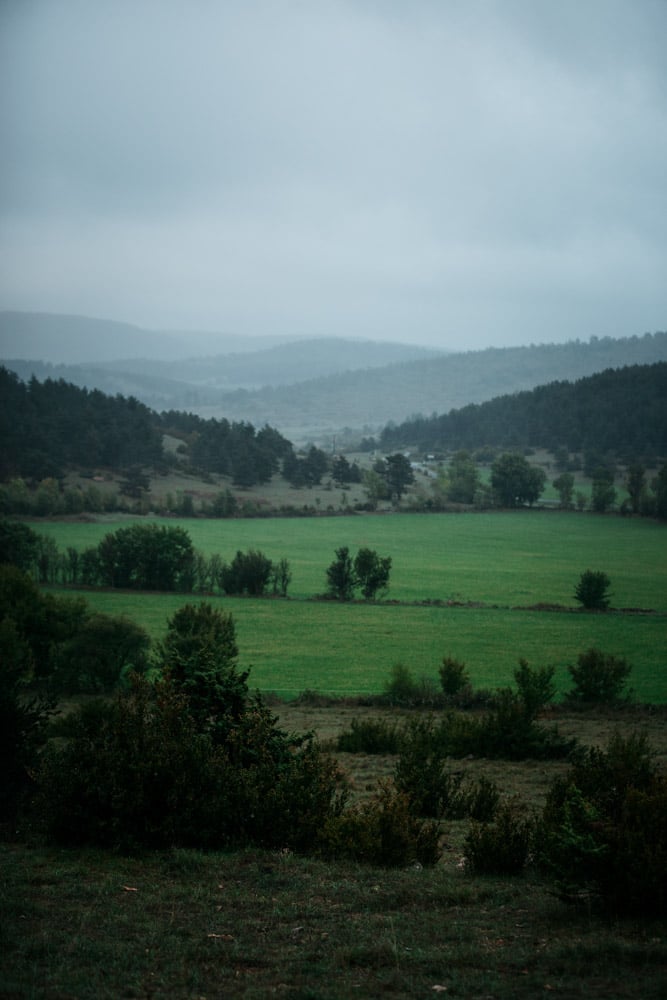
[142,772]
[501,847]
[383,831]
[603,833]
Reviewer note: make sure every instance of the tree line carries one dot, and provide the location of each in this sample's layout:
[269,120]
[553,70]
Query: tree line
[620,411]
[153,557]
[52,426]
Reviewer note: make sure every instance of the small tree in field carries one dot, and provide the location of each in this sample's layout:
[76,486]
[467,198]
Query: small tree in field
[592,590]
[371,572]
[340,575]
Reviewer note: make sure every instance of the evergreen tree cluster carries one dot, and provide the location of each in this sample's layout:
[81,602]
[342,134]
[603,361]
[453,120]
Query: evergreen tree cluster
[623,411]
[51,426]
[48,426]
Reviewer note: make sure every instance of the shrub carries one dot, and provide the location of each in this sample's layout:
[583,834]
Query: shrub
[603,832]
[23,721]
[371,573]
[422,776]
[372,736]
[383,831]
[508,732]
[422,773]
[535,687]
[401,688]
[592,590]
[248,573]
[599,678]
[140,772]
[501,847]
[94,659]
[454,677]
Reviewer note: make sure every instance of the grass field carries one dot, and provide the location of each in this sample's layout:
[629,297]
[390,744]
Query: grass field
[251,924]
[502,561]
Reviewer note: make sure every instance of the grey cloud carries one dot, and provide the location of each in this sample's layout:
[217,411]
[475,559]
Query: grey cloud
[427,171]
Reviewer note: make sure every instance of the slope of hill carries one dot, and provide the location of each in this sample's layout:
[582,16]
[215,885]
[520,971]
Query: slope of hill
[372,398]
[621,411]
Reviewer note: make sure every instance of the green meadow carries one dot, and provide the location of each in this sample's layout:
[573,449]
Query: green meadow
[498,564]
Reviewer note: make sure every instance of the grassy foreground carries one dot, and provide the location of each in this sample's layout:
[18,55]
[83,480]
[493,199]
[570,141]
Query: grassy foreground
[253,924]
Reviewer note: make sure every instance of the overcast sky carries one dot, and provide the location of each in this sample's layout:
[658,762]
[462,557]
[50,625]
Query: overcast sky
[462,173]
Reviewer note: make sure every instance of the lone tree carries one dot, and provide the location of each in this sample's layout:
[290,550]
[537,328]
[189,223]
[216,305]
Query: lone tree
[592,590]
[371,572]
[515,481]
[398,474]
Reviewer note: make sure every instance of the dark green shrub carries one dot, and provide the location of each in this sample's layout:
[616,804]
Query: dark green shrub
[383,831]
[603,832]
[372,736]
[401,688]
[454,677]
[248,573]
[535,688]
[23,721]
[501,847]
[422,773]
[199,653]
[592,590]
[599,678]
[508,732]
[94,659]
[140,771]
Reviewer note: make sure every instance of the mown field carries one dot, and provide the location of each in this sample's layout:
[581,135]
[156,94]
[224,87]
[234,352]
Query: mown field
[466,585]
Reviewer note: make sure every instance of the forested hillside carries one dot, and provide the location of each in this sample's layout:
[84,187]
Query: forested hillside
[371,398]
[623,411]
[51,426]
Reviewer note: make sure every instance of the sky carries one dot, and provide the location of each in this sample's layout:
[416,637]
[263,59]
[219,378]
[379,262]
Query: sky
[454,173]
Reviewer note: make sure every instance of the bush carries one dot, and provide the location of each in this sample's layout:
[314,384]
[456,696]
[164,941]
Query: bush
[599,678]
[103,649]
[508,732]
[248,573]
[501,847]
[454,677]
[383,831]
[401,688]
[140,772]
[372,736]
[592,590]
[535,687]
[422,773]
[23,721]
[603,832]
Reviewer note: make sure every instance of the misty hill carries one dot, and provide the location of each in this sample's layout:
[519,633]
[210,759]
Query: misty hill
[189,381]
[370,399]
[622,411]
[62,339]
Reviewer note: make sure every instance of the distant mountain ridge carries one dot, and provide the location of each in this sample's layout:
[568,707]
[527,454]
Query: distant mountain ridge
[310,389]
[71,339]
[372,399]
